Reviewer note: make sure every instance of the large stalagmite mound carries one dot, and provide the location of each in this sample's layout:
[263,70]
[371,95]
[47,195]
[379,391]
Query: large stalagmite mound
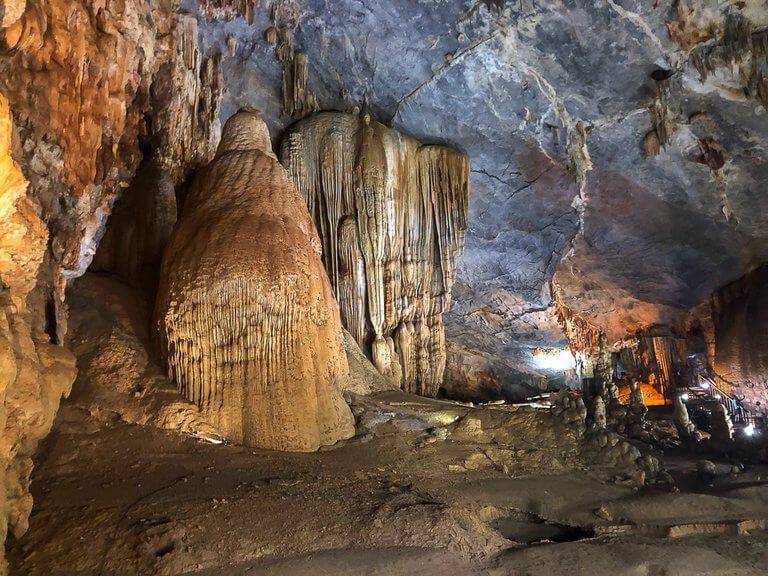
[392,215]
[245,315]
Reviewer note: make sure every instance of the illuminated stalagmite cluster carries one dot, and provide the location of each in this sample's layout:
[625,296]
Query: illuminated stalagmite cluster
[245,313]
[391,214]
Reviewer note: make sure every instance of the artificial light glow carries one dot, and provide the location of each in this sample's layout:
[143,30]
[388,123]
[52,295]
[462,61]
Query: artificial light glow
[685,397]
[553,359]
[749,430]
[704,384]
[717,396]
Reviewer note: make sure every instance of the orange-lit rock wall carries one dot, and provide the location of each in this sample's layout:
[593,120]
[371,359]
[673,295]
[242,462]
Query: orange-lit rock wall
[78,83]
[34,372]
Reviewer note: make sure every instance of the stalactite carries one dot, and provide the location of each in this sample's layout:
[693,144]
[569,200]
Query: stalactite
[662,117]
[740,47]
[189,88]
[249,332]
[229,9]
[392,217]
[583,337]
[350,283]
[297,99]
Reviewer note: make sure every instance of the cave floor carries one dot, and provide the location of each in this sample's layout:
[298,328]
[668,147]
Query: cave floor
[113,498]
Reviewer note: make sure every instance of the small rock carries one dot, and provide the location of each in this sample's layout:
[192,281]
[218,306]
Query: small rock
[706,469]
[440,433]
[603,513]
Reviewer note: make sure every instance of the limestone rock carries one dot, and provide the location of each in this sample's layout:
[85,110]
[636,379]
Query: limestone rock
[391,214]
[139,227]
[363,377]
[34,372]
[245,316]
[740,316]
[685,428]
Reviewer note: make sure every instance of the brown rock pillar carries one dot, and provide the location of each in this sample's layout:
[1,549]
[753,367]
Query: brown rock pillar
[247,323]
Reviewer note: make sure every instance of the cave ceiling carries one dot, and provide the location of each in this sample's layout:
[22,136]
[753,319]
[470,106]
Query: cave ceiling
[624,236]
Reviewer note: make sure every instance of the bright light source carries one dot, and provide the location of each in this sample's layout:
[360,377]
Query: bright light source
[749,429]
[704,384]
[717,396]
[554,358]
[685,397]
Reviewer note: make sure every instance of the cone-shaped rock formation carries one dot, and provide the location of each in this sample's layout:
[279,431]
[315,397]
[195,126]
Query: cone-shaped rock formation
[392,215]
[245,314]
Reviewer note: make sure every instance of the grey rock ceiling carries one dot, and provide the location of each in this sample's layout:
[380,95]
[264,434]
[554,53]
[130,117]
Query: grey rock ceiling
[506,82]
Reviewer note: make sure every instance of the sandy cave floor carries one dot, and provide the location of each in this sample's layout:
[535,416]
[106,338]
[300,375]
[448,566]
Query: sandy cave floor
[113,498]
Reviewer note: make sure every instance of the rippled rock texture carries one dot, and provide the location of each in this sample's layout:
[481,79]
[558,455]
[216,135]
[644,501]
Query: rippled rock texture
[740,315]
[245,315]
[392,216]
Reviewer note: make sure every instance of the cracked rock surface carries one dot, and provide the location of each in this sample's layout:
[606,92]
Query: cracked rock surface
[551,101]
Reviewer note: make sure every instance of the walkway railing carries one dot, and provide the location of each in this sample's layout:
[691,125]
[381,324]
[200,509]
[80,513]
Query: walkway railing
[734,407]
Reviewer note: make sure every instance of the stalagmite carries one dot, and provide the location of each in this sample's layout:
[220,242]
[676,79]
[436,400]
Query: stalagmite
[138,228]
[598,412]
[391,214]
[722,425]
[637,410]
[245,315]
[685,428]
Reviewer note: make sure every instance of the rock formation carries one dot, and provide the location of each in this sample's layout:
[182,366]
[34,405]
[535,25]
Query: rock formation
[636,411]
[245,316]
[35,372]
[79,83]
[740,316]
[391,214]
[139,228]
[685,428]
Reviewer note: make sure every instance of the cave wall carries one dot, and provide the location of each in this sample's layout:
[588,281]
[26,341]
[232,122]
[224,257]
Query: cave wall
[34,371]
[740,317]
[391,214]
[79,82]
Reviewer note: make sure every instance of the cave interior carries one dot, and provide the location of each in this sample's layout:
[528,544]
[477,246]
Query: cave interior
[383,287]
